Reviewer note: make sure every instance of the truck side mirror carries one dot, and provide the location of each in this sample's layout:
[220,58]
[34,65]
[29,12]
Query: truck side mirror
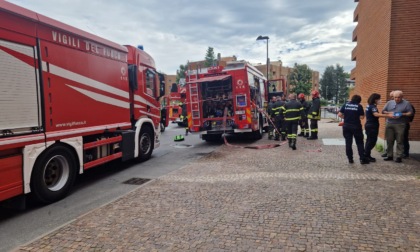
[161,85]
[132,77]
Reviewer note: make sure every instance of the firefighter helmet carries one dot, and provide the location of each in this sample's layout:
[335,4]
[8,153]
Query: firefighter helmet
[315,94]
[301,96]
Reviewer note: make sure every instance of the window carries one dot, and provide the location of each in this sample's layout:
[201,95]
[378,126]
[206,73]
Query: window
[240,100]
[150,82]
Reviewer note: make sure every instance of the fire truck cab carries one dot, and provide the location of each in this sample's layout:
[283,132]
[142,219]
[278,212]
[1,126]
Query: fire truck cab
[69,101]
[226,100]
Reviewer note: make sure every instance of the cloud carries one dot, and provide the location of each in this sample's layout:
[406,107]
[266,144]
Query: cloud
[316,33]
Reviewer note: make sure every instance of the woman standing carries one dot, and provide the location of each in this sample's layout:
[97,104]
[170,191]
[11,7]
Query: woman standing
[352,113]
[372,124]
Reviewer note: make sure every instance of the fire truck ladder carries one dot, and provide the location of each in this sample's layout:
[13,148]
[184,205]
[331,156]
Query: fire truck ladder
[195,105]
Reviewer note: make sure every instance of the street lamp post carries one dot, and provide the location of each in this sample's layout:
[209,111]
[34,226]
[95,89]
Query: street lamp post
[265,38]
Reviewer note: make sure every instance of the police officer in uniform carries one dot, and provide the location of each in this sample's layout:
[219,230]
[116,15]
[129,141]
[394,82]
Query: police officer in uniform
[352,113]
[278,118]
[314,115]
[303,122]
[293,112]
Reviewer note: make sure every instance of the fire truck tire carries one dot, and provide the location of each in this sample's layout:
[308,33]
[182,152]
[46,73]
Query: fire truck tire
[212,138]
[53,174]
[258,134]
[146,141]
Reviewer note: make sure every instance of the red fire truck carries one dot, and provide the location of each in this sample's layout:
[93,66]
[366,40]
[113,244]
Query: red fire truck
[175,101]
[69,101]
[226,100]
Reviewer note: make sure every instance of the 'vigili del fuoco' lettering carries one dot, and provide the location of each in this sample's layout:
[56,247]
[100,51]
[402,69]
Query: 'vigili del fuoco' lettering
[65,39]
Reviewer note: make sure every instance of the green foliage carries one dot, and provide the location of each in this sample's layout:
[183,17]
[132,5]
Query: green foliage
[379,147]
[180,73]
[324,102]
[210,57]
[333,84]
[300,79]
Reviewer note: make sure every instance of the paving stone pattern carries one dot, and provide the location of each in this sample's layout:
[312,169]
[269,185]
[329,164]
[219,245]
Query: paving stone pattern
[277,199]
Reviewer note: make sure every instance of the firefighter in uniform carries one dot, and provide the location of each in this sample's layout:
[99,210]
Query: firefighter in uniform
[303,122]
[293,112]
[270,114]
[184,117]
[276,113]
[284,125]
[314,115]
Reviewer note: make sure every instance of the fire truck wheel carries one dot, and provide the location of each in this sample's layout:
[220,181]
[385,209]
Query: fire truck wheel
[53,174]
[258,134]
[146,143]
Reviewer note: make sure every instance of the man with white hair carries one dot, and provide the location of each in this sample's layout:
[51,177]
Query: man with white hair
[395,125]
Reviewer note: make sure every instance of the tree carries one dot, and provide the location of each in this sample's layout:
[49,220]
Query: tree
[327,84]
[180,73]
[300,79]
[210,57]
[333,84]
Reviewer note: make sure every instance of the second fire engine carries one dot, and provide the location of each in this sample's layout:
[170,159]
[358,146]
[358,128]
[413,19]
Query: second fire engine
[226,100]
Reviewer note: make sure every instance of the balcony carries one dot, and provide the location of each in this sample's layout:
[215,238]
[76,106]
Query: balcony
[353,74]
[356,13]
[354,53]
[354,39]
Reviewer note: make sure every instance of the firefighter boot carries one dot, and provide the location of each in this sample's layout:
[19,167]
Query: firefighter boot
[314,136]
[276,136]
[283,137]
[290,142]
[293,144]
[301,134]
[270,135]
[307,134]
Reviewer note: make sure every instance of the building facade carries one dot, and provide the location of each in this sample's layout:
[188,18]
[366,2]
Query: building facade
[387,53]
[277,72]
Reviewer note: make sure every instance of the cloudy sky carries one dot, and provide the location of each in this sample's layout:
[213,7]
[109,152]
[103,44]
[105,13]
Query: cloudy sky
[316,33]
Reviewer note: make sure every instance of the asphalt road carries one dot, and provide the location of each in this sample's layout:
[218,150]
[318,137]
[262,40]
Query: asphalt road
[97,187]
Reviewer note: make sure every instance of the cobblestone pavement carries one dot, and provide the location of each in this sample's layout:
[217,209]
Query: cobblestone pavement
[277,199]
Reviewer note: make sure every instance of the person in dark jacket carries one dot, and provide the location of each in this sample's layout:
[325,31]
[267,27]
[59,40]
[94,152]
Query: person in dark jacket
[270,114]
[303,122]
[406,142]
[293,112]
[314,115]
[352,113]
[278,118]
[372,124]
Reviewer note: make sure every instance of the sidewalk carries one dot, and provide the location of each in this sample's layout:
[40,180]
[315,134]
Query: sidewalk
[276,199]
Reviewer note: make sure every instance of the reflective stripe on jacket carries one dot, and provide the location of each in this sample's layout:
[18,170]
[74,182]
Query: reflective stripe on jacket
[293,110]
[315,110]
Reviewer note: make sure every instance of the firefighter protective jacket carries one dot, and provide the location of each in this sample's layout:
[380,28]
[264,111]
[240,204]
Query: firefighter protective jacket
[293,110]
[270,108]
[276,110]
[315,110]
[306,107]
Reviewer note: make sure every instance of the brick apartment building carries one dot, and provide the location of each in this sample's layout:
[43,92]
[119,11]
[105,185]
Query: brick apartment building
[387,53]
